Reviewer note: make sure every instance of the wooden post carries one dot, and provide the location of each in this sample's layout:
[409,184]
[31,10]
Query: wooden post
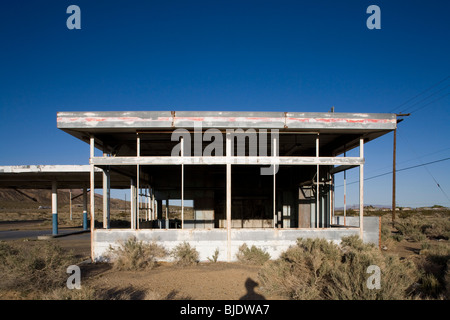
[70,204]
[394,205]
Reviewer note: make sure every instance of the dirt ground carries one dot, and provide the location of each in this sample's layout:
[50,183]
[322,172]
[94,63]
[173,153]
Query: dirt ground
[205,281]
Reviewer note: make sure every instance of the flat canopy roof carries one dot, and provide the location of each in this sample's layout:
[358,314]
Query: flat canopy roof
[142,120]
[67,177]
[115,132]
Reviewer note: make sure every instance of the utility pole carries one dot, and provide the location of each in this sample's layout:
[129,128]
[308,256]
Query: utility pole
[393,176]
[393,165]
[70,204]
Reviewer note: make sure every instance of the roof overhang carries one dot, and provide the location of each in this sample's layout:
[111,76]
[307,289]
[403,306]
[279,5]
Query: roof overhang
[343,129]
[66,176]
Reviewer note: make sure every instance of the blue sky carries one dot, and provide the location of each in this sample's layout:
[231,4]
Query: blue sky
[232,56]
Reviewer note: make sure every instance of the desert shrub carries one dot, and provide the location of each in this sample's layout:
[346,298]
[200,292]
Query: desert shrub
[437,229]
[85,293]
[397,237]
[348,281]
[318,269]
[135,255]
[385,232]
[447,281]
[418,228]
[410,227]
[184,254]
[253,255]
[437,253]
[33,267]
[215,256]
[429,285]
[300,272]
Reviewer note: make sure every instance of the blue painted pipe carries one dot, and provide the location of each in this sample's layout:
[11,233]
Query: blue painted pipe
[85,222]
[55,223]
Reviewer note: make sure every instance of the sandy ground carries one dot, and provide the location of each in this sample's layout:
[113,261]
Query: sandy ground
[204,281]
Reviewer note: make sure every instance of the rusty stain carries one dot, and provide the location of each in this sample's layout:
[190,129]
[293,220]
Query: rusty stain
[173,118]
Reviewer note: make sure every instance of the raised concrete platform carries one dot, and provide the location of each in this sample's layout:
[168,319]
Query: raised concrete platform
[206,241]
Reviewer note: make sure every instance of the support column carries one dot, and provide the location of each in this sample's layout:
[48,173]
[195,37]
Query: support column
[361,189]
[317,184]
[148,203]
[345,194]
[92,195]
[182,183]
[70,204]
[85,226]
[133,204]
[159,212]
[167,214]
[106,197]
[394,205]
[228,195]
[154,207]
[138,169]
[54,208]
[274,154]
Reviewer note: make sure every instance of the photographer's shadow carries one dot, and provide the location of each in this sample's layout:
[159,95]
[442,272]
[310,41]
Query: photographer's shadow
[250,285]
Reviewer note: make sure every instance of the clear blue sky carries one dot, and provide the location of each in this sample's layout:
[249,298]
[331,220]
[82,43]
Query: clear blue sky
[232,55]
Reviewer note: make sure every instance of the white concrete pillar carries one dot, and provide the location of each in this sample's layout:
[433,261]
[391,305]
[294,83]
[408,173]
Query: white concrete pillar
[106,197]
[317,185]
[133,204]
[92,195]
[54,208]
[228,194]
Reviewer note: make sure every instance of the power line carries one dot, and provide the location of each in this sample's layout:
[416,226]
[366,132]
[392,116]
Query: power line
[398,170]
[418,95]
[409,160]
[437,183]
[440,98]
[436,92]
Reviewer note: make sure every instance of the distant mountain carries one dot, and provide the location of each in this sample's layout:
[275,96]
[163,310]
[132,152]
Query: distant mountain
[356,206]
[42,197]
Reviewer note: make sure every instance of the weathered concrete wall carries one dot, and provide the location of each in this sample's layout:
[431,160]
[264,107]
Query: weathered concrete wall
[206,241]
[371,227]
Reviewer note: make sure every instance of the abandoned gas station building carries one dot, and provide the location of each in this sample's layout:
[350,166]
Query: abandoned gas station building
[260,178]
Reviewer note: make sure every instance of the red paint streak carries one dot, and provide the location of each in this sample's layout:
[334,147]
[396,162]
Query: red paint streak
[95,119]
[190,118]
[334,120]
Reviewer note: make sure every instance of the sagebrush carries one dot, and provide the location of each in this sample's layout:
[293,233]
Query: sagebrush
[252,255]
[33,267]
[136,255]
[184,254]
[318,269]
